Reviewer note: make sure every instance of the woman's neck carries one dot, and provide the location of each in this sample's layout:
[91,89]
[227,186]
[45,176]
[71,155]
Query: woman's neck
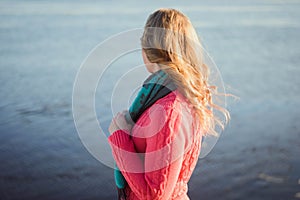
[155,68]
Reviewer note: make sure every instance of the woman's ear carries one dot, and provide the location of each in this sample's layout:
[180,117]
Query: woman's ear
[151,67]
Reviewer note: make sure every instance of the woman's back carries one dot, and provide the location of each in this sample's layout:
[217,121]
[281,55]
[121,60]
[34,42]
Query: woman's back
[167,140]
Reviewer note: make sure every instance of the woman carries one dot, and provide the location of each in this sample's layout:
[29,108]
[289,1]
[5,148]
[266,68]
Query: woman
[157,143]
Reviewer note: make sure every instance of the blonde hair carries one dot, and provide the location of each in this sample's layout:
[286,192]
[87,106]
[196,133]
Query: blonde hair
[170,40]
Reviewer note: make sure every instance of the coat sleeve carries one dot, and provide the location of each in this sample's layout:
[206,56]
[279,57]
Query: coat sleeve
[152,175]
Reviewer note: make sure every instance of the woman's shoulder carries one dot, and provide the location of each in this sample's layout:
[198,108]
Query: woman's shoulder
[170,107]
[173,100]
[172,112]
[166,109]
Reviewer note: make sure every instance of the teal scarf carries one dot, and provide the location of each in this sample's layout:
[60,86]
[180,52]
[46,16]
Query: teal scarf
[156,86]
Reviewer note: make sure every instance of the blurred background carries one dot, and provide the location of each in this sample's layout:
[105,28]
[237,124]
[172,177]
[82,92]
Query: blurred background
[255,44]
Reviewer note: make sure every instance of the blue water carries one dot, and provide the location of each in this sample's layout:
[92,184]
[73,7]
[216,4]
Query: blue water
[254,43]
